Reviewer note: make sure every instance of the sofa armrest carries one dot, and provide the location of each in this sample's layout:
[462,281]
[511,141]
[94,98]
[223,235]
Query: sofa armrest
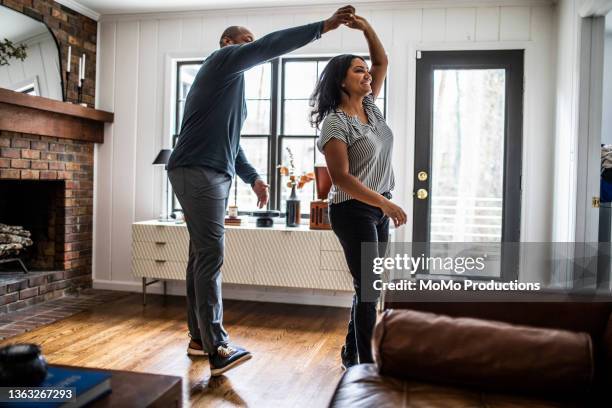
[589,317]
[484,354]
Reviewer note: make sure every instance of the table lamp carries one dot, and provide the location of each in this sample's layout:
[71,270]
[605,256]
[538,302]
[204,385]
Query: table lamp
[162,159]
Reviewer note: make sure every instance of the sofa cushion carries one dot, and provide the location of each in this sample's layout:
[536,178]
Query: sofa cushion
[363,386]
[483,354]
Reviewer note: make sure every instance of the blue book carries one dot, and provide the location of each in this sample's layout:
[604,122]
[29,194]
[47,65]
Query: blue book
[90,385]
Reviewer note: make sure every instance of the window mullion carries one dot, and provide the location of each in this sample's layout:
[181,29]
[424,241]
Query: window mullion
[273,140]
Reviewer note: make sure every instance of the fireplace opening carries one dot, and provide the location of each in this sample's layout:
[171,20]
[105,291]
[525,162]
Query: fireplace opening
[37,206]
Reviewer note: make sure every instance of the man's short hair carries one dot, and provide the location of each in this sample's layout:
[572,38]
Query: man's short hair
[230,32]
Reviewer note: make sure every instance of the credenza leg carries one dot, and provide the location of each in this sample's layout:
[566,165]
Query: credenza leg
[144,291]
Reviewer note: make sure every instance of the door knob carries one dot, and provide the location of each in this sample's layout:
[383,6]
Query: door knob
[422,175]
[421,194]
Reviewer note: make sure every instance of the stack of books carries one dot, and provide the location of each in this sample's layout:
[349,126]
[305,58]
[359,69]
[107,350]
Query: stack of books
[88,385]
[233,221]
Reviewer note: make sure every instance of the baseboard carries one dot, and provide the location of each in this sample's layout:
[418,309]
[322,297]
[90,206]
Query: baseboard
[242,292]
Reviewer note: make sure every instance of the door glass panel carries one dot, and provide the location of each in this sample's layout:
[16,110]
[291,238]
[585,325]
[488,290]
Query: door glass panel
[467,157]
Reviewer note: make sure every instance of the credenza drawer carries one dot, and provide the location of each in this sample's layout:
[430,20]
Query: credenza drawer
[168,251]
[333,260]
[160,233]
[335,280]
[329,242]
[159,269]
[286,259]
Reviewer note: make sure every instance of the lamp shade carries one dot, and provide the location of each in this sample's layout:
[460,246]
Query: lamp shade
[162,156]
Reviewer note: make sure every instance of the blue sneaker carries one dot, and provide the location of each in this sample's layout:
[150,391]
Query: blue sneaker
[226,358]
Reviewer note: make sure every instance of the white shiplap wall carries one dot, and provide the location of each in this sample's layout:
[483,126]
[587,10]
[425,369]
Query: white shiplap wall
[134,81]
[567,68]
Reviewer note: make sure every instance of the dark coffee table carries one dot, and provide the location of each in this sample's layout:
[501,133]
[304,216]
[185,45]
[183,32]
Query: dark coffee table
[130,389]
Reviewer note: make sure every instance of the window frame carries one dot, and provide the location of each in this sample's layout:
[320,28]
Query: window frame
[281,132]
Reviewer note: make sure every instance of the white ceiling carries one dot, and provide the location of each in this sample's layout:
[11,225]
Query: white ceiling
[17,27]
[152,6]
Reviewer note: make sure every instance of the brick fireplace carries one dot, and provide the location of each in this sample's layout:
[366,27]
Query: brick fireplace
[37,206]
[46,166]
[57,174]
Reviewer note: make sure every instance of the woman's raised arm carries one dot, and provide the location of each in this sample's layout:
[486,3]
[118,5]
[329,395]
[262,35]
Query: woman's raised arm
[379,59]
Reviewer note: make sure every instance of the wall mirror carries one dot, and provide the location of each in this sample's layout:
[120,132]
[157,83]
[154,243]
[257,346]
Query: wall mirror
[29,56]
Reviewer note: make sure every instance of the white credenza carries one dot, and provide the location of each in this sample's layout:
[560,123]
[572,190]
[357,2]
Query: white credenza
[278,256]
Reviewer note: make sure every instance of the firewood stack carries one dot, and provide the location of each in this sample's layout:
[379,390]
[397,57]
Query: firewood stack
[13,240]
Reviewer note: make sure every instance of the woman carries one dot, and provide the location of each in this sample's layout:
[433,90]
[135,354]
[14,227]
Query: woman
[357,144]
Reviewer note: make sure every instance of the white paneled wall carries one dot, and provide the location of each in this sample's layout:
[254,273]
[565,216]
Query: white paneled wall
[136,83]
[568,27]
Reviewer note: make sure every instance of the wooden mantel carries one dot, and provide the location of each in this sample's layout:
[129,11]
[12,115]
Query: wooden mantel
[47,117]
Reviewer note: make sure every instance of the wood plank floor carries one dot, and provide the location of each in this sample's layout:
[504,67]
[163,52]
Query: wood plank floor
[296,349]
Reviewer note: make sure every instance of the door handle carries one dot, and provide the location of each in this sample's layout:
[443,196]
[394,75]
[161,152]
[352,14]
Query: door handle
[421,194]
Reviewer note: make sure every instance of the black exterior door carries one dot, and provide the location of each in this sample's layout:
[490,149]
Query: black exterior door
[469,121]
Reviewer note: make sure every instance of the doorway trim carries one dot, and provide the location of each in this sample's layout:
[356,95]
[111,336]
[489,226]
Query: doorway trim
[590,100]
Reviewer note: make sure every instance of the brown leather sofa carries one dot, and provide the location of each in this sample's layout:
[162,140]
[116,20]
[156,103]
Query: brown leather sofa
[580,377]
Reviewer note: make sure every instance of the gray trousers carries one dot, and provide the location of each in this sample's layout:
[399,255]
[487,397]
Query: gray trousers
[202,193]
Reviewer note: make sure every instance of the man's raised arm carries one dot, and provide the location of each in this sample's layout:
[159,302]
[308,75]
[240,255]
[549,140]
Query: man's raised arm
[240,58]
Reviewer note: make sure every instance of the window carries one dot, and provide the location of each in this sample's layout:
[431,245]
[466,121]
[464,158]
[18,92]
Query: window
[29,90]
[255,138]
[256,132]
[277,95]
[186,73]
[299,77]
[28,86]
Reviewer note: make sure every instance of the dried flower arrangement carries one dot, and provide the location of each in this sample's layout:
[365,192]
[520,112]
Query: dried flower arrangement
[295,180]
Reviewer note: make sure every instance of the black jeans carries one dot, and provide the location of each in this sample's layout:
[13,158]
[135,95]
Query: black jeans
[355,222]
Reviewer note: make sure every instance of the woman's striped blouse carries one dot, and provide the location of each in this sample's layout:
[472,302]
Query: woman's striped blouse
[370,147]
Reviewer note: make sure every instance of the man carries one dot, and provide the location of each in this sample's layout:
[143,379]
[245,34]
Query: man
[207,156]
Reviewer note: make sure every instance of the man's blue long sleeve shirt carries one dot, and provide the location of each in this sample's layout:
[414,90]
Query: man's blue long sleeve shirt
[215,108]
